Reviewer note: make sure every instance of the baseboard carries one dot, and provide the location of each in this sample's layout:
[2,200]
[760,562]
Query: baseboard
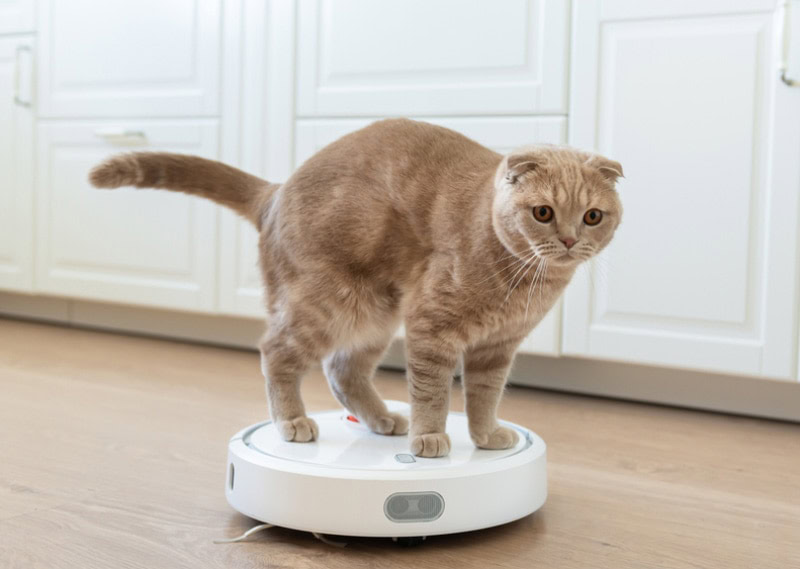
[227,331]
[696,390]
[218,330]
[46,308]
[729,394]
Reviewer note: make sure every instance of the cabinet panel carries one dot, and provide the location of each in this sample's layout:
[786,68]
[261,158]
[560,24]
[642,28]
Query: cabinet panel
[241,289]
[16,168]
[116,58]
[693,108]
[648,9]
[258,118]
[152,248]
[16,16]
[404,57]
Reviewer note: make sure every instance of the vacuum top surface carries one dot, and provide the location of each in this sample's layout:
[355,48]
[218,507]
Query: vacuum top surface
[348,444]
[354,482]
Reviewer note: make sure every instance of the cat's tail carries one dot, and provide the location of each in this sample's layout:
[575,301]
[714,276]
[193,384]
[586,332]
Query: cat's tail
[245,194]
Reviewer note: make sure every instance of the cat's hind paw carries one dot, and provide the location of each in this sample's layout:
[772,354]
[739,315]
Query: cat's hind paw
[299,430]
[498,439]
[431,445]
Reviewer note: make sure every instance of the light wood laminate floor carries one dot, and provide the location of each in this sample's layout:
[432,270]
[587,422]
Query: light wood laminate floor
[112,454]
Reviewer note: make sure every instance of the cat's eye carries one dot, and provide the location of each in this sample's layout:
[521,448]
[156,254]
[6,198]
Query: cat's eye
[543,213]
[592,217]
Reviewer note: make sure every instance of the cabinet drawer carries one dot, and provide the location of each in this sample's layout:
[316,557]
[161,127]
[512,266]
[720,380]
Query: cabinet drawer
[16,16]
[412,57]
[144,247]
[117,58]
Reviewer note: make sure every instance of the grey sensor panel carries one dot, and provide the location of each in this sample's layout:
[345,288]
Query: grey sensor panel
[413,506]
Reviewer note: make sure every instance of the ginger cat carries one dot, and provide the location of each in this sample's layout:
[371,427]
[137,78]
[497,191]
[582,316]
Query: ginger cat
[404,221]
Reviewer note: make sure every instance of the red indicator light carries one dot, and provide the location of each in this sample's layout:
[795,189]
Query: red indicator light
[353,419]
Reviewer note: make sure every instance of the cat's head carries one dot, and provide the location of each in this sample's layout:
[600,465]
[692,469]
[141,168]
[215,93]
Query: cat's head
[556,203]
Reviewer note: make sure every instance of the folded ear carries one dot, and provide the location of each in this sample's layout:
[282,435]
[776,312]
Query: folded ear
[610,169]
[515,165]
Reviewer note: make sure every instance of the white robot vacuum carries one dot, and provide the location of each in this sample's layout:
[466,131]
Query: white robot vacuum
[353,482]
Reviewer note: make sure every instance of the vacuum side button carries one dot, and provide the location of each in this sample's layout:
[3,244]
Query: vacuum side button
[404,458]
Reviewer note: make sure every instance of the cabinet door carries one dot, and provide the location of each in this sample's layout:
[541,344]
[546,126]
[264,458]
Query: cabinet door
[117,58]
[16,16]
[145,247]
[703,271]
[16,165]
[414,57]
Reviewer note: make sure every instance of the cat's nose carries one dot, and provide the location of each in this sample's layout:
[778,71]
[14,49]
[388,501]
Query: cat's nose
[568,241]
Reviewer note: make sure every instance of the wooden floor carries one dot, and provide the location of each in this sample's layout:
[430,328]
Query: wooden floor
[112,454]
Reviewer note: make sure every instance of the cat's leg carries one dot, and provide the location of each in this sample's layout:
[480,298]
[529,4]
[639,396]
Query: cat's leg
[349,373]
[286,355]
[486,367]
[431,359]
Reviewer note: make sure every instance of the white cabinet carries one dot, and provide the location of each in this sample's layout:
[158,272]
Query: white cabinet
[118,58]
[16,16]
[16,164]
[703,271]
[415,57]
[131,246]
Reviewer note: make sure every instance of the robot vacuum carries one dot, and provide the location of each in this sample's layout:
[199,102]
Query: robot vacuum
[353,482]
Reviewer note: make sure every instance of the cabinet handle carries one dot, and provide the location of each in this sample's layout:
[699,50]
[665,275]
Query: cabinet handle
[17,75]
[787,41]
[122,136]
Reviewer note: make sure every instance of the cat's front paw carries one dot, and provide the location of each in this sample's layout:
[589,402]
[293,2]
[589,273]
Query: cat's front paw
[431,445]
[390,424]
[497,439]
[299,430]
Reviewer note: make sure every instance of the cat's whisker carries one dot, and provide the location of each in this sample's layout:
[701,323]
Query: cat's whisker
[522,278]
[598,276]
[602,269]
[543,281]
[503,282]
[524,262]
[585,269]
[539,271]
[519,275]
[510,265]
[508,255]
[515,282]
[530,288]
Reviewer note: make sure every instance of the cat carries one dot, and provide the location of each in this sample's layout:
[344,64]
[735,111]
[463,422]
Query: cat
[404,221]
